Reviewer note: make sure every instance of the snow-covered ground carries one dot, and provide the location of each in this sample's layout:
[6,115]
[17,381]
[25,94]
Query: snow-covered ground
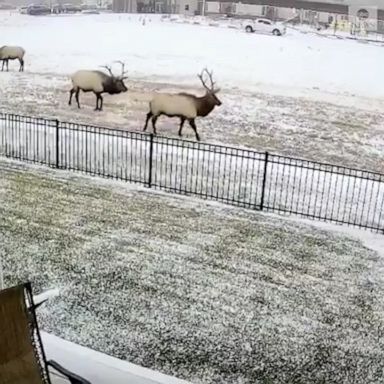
[175,52]
[197,290]
[97,367]
[299,95]
[231,175]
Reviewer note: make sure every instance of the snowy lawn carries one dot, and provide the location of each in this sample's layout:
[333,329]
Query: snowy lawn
[201,291]
[298,95]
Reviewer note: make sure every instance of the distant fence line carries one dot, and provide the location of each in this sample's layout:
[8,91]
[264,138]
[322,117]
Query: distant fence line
[236,176]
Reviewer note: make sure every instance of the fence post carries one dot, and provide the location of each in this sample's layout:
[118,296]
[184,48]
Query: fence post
[264,181]
[150,160]
[57,144]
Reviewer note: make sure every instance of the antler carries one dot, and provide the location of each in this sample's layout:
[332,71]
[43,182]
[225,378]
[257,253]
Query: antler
[123,72]
[210,77]
[109,69]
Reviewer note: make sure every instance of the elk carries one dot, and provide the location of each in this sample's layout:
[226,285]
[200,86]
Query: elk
[184,105]
[97,82]
[8,52]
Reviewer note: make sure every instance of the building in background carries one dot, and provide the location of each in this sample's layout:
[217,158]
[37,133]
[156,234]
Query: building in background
[280,9]
[186,7]
[345,14]
[124,6]
[16,3]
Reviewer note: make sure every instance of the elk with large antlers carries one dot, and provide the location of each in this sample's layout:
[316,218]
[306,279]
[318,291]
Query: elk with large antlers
[97,82]
[184,105]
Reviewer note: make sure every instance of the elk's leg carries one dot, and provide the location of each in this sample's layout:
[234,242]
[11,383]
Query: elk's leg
[71,92]
[97,101]
[100,102]
[182,121]
[21,69]
[2,65]
[193,125]
[149,115]
[77,97]
[154,119]
[7,64]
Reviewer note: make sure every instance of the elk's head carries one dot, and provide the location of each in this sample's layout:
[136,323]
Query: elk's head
[117,82]
[210,90]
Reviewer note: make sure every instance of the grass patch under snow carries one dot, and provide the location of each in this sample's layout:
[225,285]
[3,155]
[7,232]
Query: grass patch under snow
[202,291]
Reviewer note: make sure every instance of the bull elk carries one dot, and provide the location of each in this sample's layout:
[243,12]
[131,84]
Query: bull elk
[97,82]
[183,105]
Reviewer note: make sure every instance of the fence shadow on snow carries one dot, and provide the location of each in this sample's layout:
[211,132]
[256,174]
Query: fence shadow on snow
[240,177]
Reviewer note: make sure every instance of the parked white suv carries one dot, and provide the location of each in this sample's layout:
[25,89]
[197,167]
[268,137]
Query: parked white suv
[264,26]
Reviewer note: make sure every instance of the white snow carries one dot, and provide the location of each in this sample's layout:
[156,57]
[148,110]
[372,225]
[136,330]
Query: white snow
[163,51]
[371,240]
[46,295]
[98,367]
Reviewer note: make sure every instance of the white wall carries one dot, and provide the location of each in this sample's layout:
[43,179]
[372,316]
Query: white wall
[286,13]
[376,3]
[192,6]
[353,9]
[372,17]
[248,9]
[364,3]
[212,7]
[324,17]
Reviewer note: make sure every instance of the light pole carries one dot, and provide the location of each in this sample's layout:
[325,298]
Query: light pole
[203,10]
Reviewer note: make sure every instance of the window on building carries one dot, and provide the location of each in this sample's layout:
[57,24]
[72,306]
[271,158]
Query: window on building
[186,8]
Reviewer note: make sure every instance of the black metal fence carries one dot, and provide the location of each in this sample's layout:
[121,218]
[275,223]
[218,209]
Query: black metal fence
[241,177]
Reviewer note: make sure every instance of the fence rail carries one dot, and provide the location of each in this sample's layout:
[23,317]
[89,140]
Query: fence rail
[241,177]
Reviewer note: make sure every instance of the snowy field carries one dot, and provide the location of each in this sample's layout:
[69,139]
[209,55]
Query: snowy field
[235,176]
[201,291]
[299,95]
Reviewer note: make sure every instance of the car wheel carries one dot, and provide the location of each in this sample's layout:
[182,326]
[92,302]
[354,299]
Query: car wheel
[276,32]
[248,29]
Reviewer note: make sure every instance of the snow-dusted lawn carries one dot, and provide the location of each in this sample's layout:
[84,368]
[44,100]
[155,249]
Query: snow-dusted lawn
[235,176]
[299,95]
[202,291]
